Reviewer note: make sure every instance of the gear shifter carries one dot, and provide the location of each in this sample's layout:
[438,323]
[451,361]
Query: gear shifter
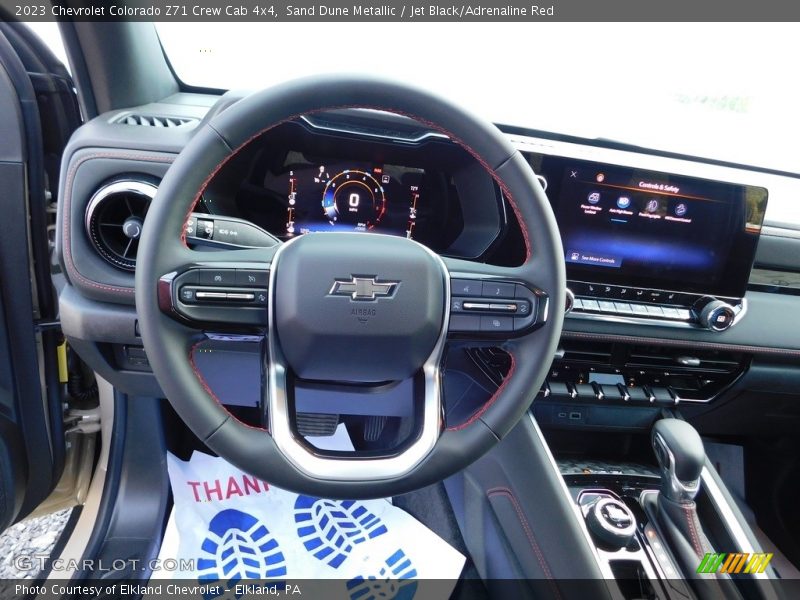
[681,456]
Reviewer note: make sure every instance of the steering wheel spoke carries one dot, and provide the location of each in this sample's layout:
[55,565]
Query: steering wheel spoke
[493,303]
[228,288]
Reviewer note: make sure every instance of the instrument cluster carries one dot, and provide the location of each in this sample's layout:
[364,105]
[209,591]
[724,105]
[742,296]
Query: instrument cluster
[350,196]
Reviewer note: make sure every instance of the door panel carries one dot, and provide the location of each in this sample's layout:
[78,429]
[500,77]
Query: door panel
[31,423]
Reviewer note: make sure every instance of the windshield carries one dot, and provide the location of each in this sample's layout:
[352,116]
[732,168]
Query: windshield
[723,91]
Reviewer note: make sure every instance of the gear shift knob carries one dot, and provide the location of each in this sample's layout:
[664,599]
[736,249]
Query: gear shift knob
[681,456]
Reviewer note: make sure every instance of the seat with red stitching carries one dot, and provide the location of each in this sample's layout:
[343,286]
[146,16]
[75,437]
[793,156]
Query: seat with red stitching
[169,341]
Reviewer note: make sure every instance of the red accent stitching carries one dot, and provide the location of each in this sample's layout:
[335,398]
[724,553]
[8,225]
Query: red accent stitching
[69,182]
[479,413]
[687,511]
[211,393]
[430,124]
[503,491]
[679,343]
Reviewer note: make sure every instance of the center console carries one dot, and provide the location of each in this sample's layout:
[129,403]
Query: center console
[655,522]
[652,247]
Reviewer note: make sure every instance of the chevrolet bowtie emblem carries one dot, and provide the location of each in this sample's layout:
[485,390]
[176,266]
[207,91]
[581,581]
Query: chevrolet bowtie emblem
[363,288]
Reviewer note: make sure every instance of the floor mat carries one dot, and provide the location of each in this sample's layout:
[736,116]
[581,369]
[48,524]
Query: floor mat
[227,527]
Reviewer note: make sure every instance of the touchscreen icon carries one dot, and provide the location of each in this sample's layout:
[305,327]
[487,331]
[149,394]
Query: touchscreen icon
[623,202]
[594,198]
[681,209]
[652,205]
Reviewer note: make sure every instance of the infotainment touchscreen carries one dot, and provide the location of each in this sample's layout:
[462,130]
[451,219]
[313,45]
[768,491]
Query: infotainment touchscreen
[647,229]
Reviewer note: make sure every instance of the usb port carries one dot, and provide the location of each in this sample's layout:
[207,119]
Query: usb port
[575,416]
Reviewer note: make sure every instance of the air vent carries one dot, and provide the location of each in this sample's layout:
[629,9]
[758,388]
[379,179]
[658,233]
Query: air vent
[153,120]
[594,353]
[114,219]
[691,360]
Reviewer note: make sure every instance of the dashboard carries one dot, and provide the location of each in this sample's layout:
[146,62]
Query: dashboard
[641,245]
[664,250]
[302,178]
[649,287]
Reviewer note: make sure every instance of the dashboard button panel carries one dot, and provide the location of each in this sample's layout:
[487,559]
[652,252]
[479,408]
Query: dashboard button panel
[668,308]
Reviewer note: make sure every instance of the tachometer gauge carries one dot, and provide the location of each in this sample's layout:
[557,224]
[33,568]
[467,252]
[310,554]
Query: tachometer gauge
[355,199]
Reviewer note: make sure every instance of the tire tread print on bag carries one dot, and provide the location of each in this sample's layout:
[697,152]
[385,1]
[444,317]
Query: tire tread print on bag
[329,529]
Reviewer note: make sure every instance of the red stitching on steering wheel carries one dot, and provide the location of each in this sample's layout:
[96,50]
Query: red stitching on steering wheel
[504,188]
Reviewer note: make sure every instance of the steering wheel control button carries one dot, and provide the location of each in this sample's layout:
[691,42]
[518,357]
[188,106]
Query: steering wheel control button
[508,308]
[261,297]
[252,278]
[217,277]
[504,307]
[240,296]
[465,323]
[497,290]
[211,295]
[465,287]
[491,323]
[188,277]
[479,306]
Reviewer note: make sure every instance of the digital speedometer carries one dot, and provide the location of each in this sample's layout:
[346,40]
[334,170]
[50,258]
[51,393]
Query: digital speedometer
[354,198]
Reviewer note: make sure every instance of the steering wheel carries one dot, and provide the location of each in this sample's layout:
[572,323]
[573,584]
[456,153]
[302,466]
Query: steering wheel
[348,308]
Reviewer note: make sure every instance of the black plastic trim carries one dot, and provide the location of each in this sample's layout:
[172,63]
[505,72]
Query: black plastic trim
[134,506]
[111,483]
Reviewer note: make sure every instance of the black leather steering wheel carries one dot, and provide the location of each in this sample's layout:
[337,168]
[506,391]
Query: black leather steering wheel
[317,281]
